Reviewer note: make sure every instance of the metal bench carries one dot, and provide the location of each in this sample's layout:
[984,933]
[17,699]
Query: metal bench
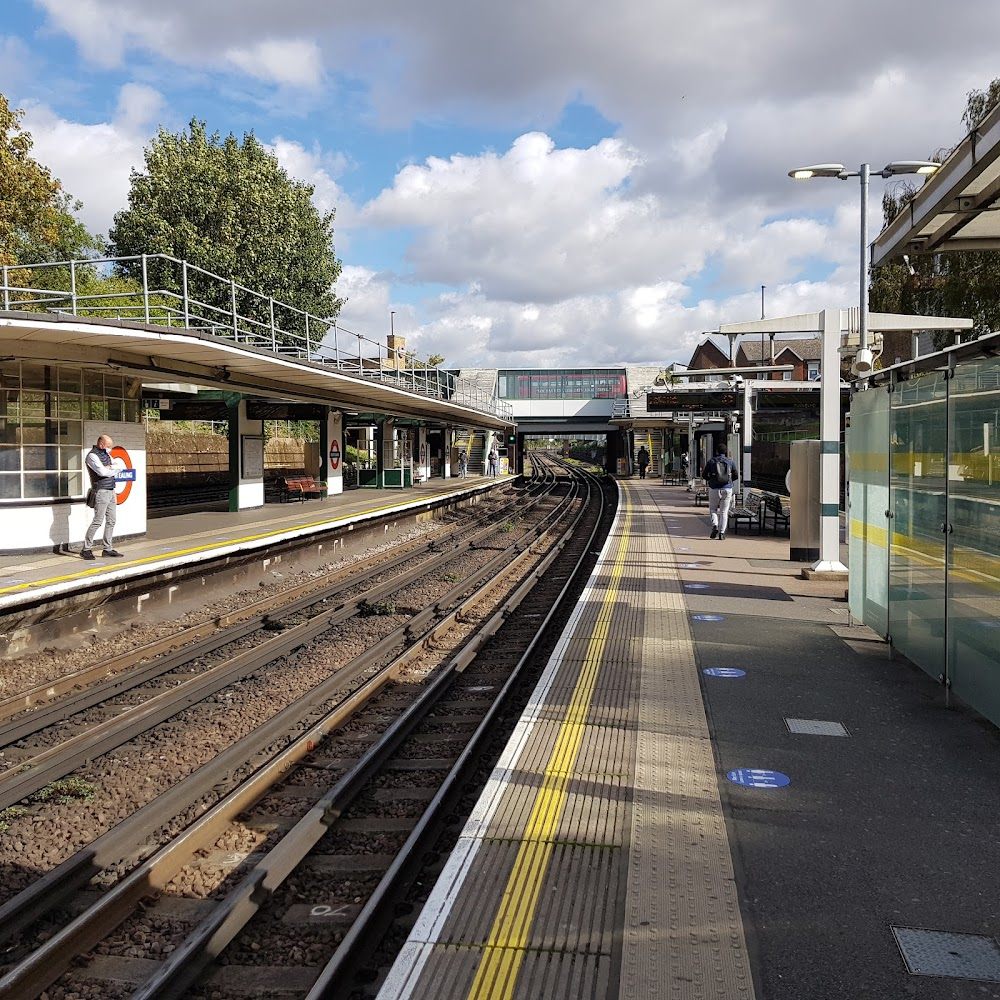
[777,510]
[747,507]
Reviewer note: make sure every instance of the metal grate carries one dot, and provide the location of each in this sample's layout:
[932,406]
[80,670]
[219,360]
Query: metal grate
[816,727]
[942,953]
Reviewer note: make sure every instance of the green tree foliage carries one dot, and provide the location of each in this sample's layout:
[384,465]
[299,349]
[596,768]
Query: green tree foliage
[36,215]
[958,283]
[229,208]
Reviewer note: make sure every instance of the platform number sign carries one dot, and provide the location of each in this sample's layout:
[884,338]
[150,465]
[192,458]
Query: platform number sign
[335,455]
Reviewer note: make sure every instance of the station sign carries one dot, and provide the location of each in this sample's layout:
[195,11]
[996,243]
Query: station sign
[335,455]
[694,400]
[125,473]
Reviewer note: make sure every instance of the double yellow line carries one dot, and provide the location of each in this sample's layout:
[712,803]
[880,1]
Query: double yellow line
[508,939]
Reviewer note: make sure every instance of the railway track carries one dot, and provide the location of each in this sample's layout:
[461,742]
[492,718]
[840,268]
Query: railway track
[284,789]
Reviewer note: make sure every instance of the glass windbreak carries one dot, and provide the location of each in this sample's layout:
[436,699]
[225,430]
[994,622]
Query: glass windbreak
[918,480]
[974,518]
[868,454]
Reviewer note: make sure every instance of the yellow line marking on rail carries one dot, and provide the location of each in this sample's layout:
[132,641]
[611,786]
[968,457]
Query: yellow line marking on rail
[160,556]
[508,938]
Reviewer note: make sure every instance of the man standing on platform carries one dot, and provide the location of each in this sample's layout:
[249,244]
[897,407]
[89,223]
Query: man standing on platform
[720,474]
[102,482]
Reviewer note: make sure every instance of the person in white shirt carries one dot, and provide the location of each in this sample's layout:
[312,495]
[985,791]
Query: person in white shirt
[100,467]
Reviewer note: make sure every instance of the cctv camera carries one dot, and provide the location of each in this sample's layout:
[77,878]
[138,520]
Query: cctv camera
[864,363]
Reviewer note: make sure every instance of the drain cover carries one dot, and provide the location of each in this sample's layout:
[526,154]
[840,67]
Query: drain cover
[816,727]
[941,953]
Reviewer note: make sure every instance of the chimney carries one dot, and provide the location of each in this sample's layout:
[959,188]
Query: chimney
[397,351]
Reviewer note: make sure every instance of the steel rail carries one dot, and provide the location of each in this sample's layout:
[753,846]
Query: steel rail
[169,653]
[43,694]
[129,835]
[45,964]
[364,934]
[31,775]
[183,968]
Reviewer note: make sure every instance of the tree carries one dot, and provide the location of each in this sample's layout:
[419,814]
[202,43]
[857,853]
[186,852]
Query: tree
[37,223]
[229,208]
[958,283]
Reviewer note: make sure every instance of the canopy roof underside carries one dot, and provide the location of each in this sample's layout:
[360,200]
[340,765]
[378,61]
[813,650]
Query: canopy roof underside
[957,208]
[159,355]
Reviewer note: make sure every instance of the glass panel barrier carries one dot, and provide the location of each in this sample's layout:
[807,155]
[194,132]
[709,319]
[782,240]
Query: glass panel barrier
[868,455]
[917,565]
[974,517]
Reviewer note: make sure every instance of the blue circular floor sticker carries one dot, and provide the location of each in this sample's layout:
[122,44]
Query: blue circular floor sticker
[724,672]
[707,618]
[754,777]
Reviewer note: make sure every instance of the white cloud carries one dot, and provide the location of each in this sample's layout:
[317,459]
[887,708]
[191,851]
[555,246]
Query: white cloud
[632,245]
[94,162]
[290,62]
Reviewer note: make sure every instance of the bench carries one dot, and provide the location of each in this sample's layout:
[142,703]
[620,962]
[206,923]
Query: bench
[302,487]
[700,496]
[776,509]
[746,508]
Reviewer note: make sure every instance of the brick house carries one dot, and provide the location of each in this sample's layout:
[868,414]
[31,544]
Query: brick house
[804,353]
[707,354]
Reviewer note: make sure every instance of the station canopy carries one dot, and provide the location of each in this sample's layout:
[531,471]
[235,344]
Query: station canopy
[957,207]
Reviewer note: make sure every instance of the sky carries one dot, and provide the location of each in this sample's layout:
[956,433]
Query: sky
[535,183]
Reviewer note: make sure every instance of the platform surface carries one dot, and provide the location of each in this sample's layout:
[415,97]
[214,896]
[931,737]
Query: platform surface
[202,534]
[638,837]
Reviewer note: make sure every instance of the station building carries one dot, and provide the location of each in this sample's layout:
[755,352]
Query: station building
[72,369]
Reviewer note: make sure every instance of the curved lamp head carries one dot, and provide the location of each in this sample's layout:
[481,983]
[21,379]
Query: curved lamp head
[817,170]
[909,167]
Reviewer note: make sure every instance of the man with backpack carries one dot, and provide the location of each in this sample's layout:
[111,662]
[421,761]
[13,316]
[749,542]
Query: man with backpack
[720,474]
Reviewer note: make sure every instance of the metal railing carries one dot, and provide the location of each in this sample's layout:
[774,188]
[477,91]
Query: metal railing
[210,304]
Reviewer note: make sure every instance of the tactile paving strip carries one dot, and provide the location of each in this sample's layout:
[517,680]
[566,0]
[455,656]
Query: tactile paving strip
[684,934]
[816,727]
[533,899]
[942,953]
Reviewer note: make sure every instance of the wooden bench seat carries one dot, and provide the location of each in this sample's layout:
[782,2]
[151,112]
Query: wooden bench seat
[302,487]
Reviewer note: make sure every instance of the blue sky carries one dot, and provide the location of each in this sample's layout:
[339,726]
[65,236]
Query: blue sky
[548,182]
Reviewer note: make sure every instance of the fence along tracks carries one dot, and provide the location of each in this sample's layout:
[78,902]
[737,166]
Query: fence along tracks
[427,629]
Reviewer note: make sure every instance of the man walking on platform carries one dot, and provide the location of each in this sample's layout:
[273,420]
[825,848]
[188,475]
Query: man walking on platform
[643,461]
[102,485]
[720,474]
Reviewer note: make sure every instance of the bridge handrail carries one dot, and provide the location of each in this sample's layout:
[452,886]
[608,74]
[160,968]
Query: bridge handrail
[249,318]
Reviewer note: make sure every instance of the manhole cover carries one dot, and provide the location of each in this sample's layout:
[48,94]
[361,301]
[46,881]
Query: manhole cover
[942,953]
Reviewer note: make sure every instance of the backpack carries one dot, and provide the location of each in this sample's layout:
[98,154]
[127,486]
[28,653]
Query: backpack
[718,473]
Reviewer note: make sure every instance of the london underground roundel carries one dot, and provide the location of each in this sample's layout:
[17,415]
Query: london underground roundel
[335,455]
[124,473]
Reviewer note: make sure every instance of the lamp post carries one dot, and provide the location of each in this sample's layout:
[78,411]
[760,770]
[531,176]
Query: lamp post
[829,406]
[863,362]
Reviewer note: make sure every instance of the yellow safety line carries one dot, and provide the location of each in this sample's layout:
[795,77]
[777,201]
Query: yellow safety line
[508,938]
[159,557]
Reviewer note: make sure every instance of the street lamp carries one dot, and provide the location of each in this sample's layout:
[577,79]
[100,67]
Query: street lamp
[863,361]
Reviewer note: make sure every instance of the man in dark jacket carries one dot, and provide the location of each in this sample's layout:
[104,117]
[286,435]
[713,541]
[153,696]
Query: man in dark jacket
[102,482]
[720,474]
[643,461]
